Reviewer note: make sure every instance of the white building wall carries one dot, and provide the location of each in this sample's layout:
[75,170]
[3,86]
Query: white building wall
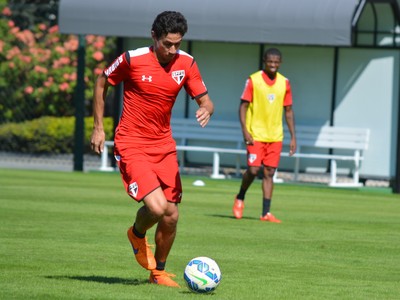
[367,96]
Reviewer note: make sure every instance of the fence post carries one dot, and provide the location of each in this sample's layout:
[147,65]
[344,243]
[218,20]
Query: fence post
[79,101]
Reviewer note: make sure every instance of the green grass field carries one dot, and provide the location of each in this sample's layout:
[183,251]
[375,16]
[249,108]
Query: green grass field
[63,236]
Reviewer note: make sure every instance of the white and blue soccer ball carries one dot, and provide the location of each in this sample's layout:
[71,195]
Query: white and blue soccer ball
[202,275]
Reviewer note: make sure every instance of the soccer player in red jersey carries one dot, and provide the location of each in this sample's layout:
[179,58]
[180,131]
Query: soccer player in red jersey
[144,147]
[266,96]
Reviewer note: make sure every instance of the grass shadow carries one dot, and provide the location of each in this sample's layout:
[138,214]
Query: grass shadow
[103,279]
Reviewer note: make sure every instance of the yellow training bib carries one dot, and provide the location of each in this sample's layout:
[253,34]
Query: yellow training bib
[264,115]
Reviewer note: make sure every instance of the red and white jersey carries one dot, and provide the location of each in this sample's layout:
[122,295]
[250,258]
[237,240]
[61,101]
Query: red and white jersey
[150,91]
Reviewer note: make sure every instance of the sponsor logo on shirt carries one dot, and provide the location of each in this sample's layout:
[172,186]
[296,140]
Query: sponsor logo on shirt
[133,189]
[113,66]
[147,78]
[178,76]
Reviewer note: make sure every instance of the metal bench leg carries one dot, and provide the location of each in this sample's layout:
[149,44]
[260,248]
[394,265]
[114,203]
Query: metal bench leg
[296,168]
[215,174]
[238,165]
[181,161]
[104,160]
[356,175]
[333,172]
[275,178]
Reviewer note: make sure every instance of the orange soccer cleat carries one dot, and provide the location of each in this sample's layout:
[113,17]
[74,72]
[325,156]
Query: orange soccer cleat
[237,209]
[270,218]
[162,278]
[142,251]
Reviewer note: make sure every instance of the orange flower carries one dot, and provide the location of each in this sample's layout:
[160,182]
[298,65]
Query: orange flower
[65,60]
[13,52]
[63,86]
[98,71]
[90,38]
[14,30]
[98,56]
[98,45]
[6,11]
[40,69]
[28,90]
[72,44]
[25,59]
[53,29]
[49,82]
[73,76]
[54,40]
[60,49]
[26,37]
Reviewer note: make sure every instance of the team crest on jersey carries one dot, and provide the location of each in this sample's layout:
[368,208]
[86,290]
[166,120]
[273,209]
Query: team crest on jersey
[271,98]
[178,76]
[252,157]
[133,189]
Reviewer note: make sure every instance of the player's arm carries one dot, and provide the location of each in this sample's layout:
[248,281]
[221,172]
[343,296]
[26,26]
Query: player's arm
[99,98]
[289,116]
[244,105]
[246,98]
[206,109]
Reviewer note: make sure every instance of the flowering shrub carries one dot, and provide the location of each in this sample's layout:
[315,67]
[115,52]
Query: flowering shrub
[38,69]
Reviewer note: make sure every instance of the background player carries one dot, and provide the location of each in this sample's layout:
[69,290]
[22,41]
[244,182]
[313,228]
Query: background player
[266,95]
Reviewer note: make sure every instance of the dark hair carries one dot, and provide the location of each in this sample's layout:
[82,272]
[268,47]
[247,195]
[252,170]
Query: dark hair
[169,22]
[272,51]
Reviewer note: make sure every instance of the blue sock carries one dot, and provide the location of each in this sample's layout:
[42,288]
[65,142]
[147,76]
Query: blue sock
[160,265]
[241,194]
[266,206]
[137,233]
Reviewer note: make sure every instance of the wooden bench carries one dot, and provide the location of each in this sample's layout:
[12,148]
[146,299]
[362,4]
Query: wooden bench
[314,142]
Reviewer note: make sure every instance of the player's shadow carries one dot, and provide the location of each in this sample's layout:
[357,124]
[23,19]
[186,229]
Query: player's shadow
[232,217]
[189,293]
[103,279]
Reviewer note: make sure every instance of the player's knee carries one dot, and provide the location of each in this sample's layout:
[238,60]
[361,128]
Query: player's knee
[253,171]
[269,172]
[157,209]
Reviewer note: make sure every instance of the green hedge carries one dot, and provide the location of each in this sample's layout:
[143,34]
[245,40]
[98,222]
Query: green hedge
[53,135]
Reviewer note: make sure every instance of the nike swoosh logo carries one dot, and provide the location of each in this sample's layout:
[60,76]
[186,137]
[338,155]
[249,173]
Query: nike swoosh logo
[135,250]
[204,281]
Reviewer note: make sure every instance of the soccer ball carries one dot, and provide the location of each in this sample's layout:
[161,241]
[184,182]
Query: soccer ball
[202,275]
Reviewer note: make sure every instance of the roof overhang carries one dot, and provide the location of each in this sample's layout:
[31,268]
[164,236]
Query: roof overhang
[305,22]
